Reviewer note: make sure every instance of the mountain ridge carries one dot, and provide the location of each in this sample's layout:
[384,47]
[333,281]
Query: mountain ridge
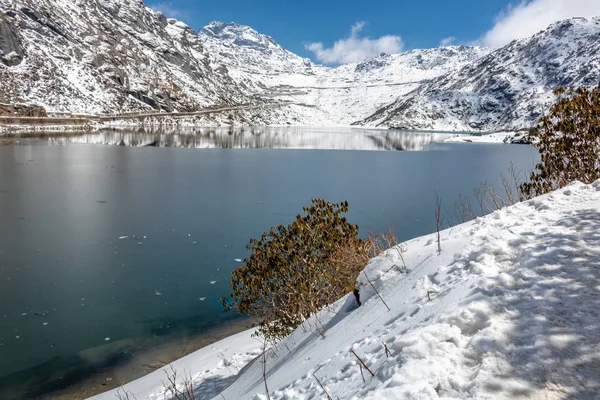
[115,56]
[510,88]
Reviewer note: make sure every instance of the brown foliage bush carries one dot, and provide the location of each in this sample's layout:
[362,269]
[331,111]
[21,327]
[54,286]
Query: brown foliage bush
[294,271]
[568,140]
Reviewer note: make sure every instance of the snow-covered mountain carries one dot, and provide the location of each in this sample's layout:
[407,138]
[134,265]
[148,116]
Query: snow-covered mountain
[119,55]
[509,88]
[242,48]
[322,95]
[105,56]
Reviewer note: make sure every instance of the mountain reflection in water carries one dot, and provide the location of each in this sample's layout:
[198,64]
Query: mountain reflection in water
[258,137]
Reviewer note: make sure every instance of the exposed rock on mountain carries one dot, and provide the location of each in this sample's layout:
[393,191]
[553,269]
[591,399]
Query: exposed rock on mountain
[509,88]
[11,52]
[22,110]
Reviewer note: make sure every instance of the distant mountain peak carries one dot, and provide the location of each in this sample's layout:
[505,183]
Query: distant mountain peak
[244,48]
[239,34]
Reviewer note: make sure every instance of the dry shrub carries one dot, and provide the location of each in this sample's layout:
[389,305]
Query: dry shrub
[286,278]
[178,391]
[568,140]
[294,271]
[487,199]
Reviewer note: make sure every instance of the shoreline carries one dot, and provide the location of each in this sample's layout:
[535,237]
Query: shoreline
[144,361]
[12,131]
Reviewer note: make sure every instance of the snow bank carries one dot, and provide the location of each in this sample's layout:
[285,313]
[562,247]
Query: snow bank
[508,309]
[213,368]
[496,137]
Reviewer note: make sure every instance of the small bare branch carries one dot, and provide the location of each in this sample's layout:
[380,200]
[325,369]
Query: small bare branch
[362,362]
[438,220]
[322,387]
[373,286]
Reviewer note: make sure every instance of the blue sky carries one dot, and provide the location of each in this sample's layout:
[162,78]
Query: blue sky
[310,28]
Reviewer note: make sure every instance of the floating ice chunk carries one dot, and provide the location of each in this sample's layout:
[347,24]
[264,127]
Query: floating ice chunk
[45,323]
[202,298]
[213,282]
[106,339]
[123,237]
[238,260]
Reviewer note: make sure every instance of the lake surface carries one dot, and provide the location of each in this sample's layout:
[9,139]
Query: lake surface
[107,250]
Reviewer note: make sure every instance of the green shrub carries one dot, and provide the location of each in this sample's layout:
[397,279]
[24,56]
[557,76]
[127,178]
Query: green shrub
[290,274]
[568,140]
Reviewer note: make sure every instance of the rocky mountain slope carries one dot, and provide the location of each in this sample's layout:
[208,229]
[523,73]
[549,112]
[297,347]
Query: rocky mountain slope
[105,56]
[509,88]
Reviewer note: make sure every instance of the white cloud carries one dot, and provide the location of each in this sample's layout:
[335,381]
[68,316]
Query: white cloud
[356,48]
[447,41]
[531,16]
[167,9]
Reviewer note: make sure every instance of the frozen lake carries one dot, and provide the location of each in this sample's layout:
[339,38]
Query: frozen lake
[107,250]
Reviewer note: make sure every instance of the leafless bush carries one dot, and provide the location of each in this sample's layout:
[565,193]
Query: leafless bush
[487,199]
[349,261]
[183,391]
[123,394]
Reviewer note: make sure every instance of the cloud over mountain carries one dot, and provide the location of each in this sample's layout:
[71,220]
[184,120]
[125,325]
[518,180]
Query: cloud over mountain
[356,48]
[531,16]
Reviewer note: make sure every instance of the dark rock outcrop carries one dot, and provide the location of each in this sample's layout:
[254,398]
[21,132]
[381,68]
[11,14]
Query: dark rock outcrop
[22,110]
[11,52]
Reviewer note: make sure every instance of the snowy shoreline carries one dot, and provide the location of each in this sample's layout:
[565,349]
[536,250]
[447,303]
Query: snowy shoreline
[508,309]
[503,137]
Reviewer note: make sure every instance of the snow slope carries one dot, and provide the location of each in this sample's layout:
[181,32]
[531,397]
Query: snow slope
[220,361]
[509,309]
